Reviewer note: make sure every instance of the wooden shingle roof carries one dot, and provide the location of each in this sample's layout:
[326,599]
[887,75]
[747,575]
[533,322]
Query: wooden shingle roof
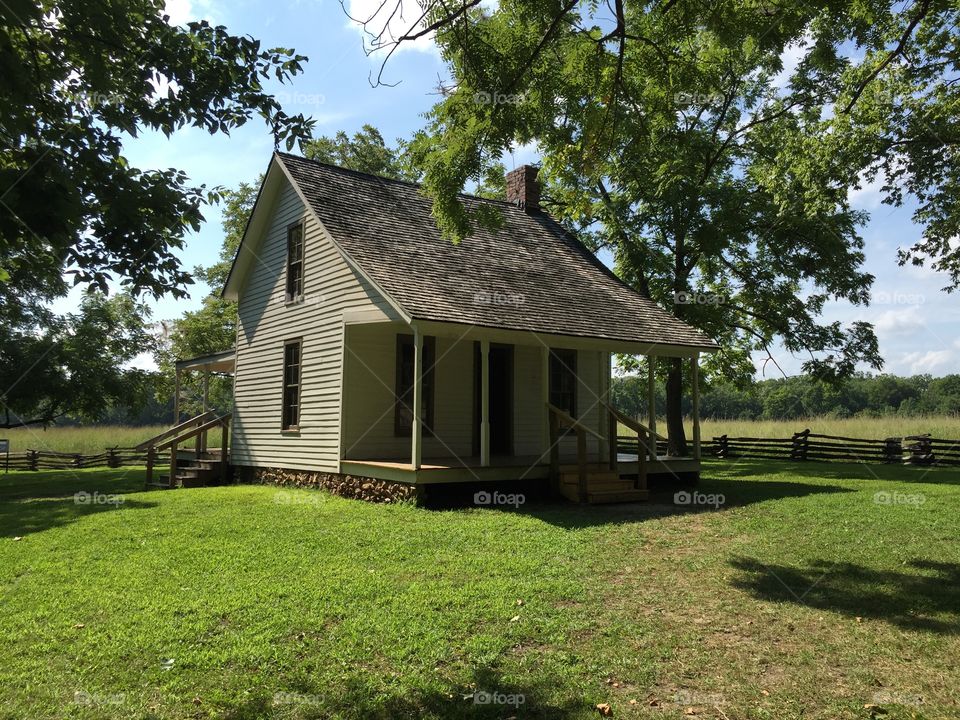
[528,275]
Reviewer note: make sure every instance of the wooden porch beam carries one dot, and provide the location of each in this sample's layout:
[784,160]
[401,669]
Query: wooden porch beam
[176,396]
[416,442]
[695,377]
[603,391]
[545,400]
[652,393]
[485,403]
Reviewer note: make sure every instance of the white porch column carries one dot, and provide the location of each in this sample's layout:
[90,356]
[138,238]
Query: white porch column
[206,406]
[416,443]
[544,400]
[652,392]
[176,396]
[695,376]
[485,403]
[603,392]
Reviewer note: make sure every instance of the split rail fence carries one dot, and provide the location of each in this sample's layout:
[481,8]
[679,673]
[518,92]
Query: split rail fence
[45,460]
[806,445]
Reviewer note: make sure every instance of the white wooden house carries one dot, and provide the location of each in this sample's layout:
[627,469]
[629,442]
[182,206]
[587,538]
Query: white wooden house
[370,346]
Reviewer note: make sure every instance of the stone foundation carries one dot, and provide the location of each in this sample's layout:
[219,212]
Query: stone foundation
[349,486]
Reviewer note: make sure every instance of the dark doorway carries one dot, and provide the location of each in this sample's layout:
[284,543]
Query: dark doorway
[501,399]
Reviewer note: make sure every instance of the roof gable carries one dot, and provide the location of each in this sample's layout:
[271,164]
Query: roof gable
[528,275]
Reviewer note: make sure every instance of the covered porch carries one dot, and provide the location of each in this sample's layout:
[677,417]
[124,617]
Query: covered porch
[191,461]
[444,403]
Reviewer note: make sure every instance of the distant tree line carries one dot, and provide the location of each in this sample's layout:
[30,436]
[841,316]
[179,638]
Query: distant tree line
[803,396]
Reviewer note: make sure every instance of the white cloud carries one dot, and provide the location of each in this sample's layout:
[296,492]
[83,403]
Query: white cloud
[143,361]
[898,323]
[934,362]
[869,194]
[527,154]
[925,272]
[388,21]
[184,11]
[790,58]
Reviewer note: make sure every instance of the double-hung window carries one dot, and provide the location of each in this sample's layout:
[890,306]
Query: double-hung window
[295,263]
[403,414]
[292,360]
[563,380]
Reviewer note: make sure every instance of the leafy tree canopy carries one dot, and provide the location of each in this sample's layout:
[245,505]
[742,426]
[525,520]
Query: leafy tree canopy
[76,366]
[77,78]
[670,135]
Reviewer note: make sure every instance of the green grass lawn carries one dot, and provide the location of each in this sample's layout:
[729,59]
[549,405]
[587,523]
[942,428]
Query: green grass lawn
[801,597]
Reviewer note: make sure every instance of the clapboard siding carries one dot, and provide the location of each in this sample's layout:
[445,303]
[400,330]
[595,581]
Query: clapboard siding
[370,382]
[529,414]
[371,394]
[266,322]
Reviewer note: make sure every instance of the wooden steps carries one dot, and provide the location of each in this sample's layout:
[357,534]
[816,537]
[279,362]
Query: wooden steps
[200,474]
[603,486]
[205,466]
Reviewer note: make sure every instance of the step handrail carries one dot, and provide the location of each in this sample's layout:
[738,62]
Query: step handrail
[632,423]
[556,418]
[572,421]
[152,442]
[209,425]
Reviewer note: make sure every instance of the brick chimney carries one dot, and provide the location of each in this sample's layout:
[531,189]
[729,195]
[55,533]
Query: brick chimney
[523,190]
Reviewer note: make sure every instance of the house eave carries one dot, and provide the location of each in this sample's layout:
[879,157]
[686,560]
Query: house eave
[470,331]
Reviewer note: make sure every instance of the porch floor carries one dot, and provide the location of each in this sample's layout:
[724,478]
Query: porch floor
[515,467]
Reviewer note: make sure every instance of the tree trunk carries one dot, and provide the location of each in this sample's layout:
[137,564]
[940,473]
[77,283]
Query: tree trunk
[677,444]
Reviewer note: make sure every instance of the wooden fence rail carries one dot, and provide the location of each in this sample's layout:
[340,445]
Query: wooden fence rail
[47,460]
[806,445]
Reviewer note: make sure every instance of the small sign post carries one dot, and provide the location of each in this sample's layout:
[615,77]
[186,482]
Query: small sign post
[5,449]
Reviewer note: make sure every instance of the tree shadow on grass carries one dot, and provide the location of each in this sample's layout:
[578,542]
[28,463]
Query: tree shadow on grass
[61,483]
[925,600]
[21,518]
[711,495]
[835,470]
[358,698]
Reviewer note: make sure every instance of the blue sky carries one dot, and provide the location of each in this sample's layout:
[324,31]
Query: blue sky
[917,323]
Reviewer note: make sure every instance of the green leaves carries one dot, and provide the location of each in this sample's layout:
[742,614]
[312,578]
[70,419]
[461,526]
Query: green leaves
[669,138]
[82,75]
[75,363]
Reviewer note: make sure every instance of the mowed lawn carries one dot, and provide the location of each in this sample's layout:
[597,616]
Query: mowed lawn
[805,595]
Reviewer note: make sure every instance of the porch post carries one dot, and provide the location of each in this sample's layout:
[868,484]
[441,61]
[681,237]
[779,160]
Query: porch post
[611,425]
[603,388]
[206,406]
[544,400]
[652,401]
[695,376]
[416,442]
[176,396]
[485,403]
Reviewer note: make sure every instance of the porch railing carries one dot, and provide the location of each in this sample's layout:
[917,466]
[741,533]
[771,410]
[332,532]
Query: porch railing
[560,419]
[196,428]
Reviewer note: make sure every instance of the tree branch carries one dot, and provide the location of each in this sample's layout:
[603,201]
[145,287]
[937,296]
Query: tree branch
[898,50]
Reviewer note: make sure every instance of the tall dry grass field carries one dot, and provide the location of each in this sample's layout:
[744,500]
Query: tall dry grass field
[940,426]
[87,440]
